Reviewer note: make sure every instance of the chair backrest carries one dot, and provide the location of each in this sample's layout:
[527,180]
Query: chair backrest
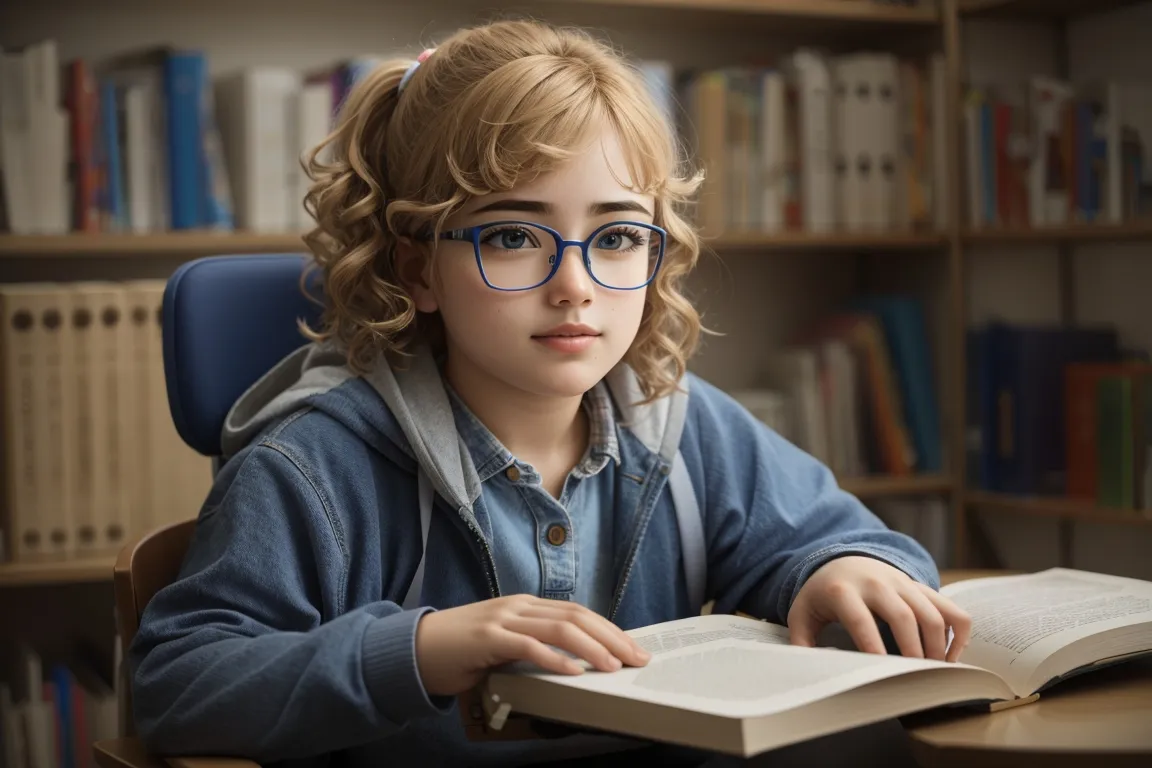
[227,321]
[143,567]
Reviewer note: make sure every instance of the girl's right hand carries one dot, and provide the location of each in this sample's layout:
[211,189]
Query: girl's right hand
[456,646]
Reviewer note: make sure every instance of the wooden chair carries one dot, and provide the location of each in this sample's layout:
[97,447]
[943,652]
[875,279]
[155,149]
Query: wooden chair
[142,569]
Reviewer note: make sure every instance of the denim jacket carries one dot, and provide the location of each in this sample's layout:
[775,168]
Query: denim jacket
[284,637]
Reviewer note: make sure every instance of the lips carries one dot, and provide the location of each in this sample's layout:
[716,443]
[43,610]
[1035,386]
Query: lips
[568,338]
[568,330]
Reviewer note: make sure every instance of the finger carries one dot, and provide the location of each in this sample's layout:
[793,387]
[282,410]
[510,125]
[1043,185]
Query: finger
[567,636]
[853,613]
[803,628]
[890,605]
[515,646]
[619,644]
[593,623]
[932,627]
[956,618]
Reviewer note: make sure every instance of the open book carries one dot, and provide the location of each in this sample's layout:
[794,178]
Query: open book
[734,685]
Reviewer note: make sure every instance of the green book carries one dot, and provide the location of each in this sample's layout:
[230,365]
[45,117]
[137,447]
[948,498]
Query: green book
[1114,449]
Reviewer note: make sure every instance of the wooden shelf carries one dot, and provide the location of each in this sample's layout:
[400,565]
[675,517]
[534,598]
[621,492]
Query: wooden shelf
[825,10]
[56,572]
[1073,233]
[882,485]
[135,246]
[1055,507]
[1040,9]
[834,241]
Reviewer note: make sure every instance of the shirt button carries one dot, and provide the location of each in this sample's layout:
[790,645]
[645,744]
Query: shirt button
[557,535]
[513,473]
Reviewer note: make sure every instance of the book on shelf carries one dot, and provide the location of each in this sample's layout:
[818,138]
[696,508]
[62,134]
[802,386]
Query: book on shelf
[735,685]
[1108,418]
[819,142]
[856,390]
[1060,412]
[1049,152]
[91,454]
[51,712]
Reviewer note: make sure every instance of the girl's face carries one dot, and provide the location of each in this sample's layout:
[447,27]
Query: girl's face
[560,338]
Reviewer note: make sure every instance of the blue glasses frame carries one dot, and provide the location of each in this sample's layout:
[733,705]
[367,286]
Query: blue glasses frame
[472,235]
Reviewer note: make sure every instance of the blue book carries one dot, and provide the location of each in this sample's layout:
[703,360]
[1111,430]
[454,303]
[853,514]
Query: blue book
[110,135]
[185,77]
[1024,402]
[978,441]
[988,161]
[902,320]
[65,738]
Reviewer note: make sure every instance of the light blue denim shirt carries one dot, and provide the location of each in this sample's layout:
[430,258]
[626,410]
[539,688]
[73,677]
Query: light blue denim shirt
[542,545]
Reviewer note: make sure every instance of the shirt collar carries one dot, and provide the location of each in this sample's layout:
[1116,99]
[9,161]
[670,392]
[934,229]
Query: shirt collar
[490,456]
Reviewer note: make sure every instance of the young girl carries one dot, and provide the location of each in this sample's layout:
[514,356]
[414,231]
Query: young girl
[491,450]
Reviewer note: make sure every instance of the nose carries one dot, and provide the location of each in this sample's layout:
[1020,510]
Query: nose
[571,284]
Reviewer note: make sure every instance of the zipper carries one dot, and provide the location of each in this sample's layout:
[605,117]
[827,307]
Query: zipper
[489,561]
[649,502]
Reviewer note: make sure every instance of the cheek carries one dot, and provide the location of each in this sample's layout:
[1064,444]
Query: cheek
[628,310]
[468,307]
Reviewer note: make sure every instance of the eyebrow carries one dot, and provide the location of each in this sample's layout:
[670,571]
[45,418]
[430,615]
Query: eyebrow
[537,206]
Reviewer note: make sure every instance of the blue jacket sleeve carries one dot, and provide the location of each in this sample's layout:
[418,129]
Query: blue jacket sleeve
[249,652]
[774,514]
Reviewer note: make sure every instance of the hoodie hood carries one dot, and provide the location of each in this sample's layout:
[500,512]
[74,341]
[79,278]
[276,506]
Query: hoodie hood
[417,403]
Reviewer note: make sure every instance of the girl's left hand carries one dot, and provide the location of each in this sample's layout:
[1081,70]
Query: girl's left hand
[853,589]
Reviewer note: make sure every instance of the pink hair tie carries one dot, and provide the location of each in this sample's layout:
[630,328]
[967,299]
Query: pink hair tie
[414,66]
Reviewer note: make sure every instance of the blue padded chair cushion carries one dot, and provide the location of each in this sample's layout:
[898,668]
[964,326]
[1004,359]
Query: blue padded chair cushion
[227,320]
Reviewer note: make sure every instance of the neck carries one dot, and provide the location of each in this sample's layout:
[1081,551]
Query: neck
[537,429]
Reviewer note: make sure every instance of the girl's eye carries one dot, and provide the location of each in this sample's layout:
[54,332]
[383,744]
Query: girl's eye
[510,239]
[619,240]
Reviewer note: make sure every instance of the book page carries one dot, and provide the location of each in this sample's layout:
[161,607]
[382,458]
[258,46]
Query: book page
[1019,621]
[736,667]
[705,629]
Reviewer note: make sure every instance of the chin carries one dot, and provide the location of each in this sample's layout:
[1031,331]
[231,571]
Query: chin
[564,379]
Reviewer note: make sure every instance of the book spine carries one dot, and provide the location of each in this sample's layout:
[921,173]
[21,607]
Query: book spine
[184,75]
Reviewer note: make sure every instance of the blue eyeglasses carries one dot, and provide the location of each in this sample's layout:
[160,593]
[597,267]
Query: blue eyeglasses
[521,255]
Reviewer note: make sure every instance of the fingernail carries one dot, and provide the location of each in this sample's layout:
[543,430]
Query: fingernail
[616,663]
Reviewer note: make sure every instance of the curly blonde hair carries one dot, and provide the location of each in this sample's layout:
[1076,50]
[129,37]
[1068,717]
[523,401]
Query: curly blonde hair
[492,105]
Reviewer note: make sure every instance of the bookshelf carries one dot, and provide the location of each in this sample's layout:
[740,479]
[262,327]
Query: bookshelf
[831,11]
[1039,9]
[1079,510]
[938,265]
[833,242]
[115,246]
[882,486]
[900,27]
[1133,231]
[56,572]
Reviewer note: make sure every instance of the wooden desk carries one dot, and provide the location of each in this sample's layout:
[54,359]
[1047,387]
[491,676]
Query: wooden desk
[1100,719]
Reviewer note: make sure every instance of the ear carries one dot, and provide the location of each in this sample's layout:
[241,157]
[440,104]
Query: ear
[414,271]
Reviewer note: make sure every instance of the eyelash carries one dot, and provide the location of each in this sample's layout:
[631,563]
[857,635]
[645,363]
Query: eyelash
[633,234]
[501,230]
